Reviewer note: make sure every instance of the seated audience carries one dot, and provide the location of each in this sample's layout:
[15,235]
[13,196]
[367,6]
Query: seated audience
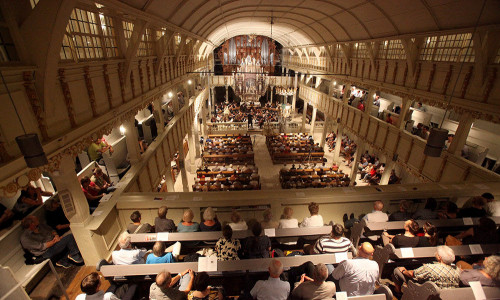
[55,216]
[316,288]
[29,199]
[315,220]
[393,179]
[6,217]
[442,273]
[476,210]
[226,247]
[402,214]
[450,212]
[187,224]
[91,192]
[377,215]
[335,242]
[162,255]
[492,206]
[201,290]
[165,287]
[136,226]
[162,223]
[97,148]
[268,222]
[488,276]
[127,255]
[210,222]
[237,223]
[273,287]
[286,221]
[430,238]
[257,246]
[42,241]
[428,212]
[358,276]
[484,233]
[90,288]
[102,181]
[408,239]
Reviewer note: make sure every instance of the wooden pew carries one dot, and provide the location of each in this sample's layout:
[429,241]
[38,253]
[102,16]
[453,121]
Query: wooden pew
[377,228]
[429,290]
[382,255]
[251,265]
[215,235]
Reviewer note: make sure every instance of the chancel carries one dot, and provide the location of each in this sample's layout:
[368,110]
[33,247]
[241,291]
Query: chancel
[212,149]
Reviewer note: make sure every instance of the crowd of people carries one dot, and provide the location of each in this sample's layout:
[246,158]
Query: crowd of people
[230,178]
[312,177]
[370,169]
[228,149]
[282,148]
[254,115]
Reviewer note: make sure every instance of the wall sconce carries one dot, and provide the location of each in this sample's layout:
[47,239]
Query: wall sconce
[170,94]
[189,82]
[122,130]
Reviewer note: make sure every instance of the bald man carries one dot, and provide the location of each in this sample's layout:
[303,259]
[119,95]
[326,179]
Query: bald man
[163,287]
[273,288]
[377,215]
[358,276]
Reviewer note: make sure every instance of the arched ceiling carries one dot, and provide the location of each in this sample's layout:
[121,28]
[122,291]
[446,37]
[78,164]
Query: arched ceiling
[307,22]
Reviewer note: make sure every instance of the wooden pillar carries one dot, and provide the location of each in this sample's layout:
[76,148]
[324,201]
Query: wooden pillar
[369,101]
[168,177]
[272,92]
[294,99]
[336,152]
[182,167]
[354,165]
[304,116]
[132,140]
[158,114]
[313,119]
[405,108]
[458,142]
[389,166]
[325,132]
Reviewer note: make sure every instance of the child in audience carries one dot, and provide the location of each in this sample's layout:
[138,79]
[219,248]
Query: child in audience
[187,224]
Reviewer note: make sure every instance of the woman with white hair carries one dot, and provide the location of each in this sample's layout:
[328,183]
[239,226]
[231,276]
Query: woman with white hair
[442,273]
[210,222]
[187,224]
[489,276]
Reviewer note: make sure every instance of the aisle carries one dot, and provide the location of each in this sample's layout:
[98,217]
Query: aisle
[269,173]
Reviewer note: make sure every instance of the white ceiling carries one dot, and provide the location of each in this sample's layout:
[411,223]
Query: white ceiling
[303,22]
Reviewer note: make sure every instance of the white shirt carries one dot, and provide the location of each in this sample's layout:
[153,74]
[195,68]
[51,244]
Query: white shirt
[271,289]
[376,216]
[128,256]
[357,276]
[288,223]
[242,225]
[99,295]
[312,221]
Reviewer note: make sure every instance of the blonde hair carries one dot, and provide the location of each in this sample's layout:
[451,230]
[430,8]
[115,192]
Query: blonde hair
[188,215]
[287,212]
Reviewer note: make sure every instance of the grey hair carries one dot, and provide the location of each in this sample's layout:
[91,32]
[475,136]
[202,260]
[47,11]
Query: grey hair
[124,241]
[209,214]
[275,267]
[492,267]
[446,253]
[320,272]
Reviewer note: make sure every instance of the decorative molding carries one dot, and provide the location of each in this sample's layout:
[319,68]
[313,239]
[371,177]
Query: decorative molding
[90,90]
[122,80]
[489,84]
[36,105]
[67,98]
[141,76]
[447,79]
[431,77]
[465,83]
[107,84]
[132,86]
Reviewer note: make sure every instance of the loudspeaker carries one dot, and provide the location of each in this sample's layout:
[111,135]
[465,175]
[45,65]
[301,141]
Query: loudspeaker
[435,142]
[32,150]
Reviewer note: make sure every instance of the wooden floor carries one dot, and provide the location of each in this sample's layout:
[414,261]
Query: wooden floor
[71,278]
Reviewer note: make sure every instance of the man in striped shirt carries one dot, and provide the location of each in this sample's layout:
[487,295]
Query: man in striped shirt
[334,243]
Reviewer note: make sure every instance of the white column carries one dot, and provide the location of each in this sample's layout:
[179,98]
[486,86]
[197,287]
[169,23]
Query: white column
[175,104]
[313,119]
[304,116]
[325,131]
[294,99]
[168,177]
[192,150]
[347,93]
[159,119]
[464,126]
[336,152]
[389,166]
[227,93]
[204,119]
[188,92]
[196,136]
[132,140]
[369,101]
[405,108]
[272,88]
[182,167]
[211,93]
[354,165]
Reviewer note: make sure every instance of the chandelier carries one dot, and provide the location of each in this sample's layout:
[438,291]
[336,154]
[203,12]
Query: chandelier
[285,91]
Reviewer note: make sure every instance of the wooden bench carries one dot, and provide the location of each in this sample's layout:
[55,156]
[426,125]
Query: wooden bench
[429,290]
[210,159]
[251,265]
[382,255]
[215,235]
[376,228]
[316,157]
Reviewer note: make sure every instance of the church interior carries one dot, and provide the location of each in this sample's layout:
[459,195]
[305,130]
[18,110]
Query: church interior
[308,134]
